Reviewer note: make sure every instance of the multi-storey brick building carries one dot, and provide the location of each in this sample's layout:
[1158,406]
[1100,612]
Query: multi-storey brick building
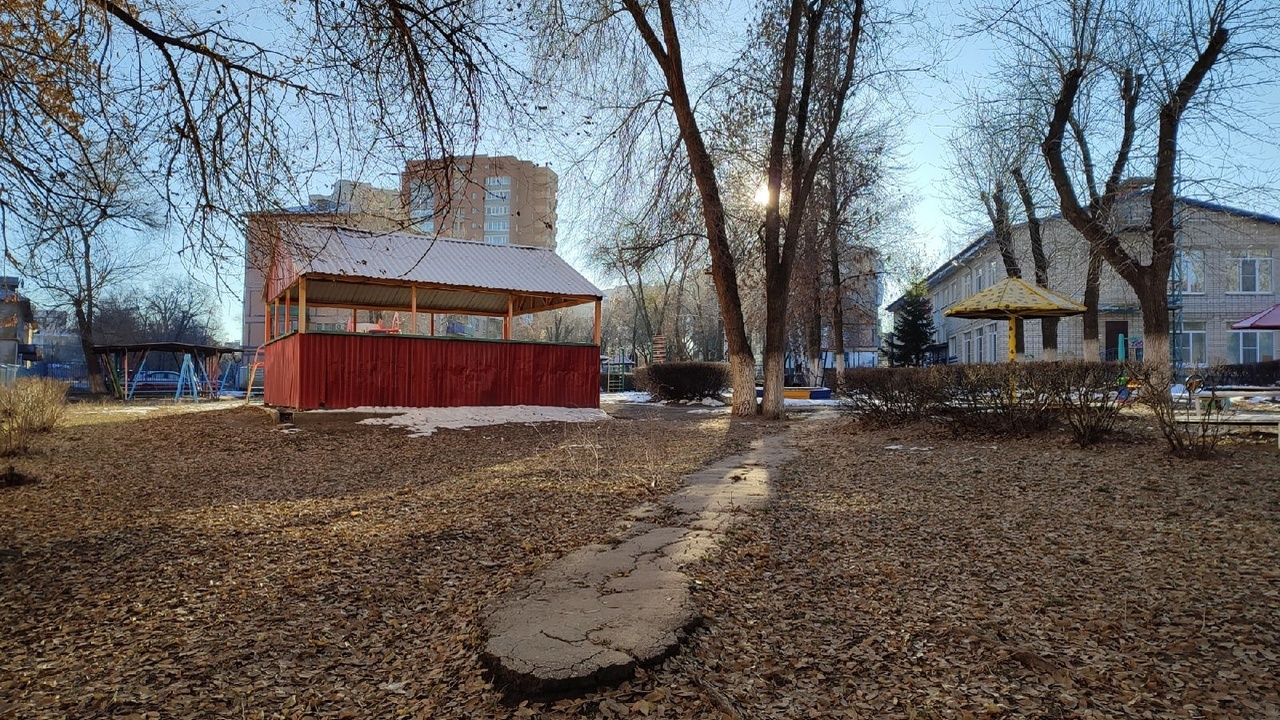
[1224,271]
[494,199]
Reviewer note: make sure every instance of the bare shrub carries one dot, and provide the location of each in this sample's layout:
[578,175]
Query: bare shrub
[683,380]
[999,399]
[1189,433]
[27,407]
[893,396]
[1086,395]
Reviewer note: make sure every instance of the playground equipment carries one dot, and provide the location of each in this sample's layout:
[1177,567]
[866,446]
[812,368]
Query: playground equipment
[125,368]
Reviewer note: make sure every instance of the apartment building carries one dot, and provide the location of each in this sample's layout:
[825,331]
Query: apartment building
[1224,271]
[494,199]
[501,200]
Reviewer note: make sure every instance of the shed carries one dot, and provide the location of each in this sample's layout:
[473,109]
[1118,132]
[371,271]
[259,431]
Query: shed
[407,365]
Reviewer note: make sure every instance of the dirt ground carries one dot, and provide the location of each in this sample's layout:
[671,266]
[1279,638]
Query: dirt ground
[215,565]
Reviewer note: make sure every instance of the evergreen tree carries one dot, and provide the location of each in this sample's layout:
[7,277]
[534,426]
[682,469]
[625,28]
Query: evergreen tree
[912,329]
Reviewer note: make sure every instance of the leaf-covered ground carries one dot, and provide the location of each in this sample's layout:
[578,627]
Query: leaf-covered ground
[904,574]
[213,566]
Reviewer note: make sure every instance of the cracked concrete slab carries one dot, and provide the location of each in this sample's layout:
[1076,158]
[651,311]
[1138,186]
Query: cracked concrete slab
[596,614]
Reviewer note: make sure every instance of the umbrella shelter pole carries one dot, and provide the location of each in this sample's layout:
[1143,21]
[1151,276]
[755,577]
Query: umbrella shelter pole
[1013,339]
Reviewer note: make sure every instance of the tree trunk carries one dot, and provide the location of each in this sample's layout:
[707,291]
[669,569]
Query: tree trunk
[815,340]
[1049,338]
[837,283]
[1039,261]
[724,272]
[1153,299]
[84,328]
[1092,279]
[775,346]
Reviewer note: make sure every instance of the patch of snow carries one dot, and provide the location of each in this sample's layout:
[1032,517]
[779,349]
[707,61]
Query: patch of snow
[799,402]
[422,422]
[913,448]
[712,402]
[631,396]
[708,411]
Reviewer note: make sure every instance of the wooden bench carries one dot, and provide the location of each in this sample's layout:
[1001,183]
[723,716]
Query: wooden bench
[1204,397]
[1260,418]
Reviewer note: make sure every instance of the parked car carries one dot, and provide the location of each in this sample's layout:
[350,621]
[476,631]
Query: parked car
[154,382]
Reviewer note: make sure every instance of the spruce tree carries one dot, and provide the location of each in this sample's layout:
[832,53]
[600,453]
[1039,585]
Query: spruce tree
[912,329]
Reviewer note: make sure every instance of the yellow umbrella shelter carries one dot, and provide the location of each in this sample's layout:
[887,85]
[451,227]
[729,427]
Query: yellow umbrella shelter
[1014,299]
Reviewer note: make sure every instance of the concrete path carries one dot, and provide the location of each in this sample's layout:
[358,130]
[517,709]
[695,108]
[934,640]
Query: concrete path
[596,614]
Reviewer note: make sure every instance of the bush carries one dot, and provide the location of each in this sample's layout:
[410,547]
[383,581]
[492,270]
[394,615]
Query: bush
[1260,374]
[683,380]
[999,399]
[893,396]
[1189,434]
[27,407]
[1086,395]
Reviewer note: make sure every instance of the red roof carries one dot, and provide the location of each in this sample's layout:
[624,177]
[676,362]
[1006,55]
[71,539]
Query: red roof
[1268,319]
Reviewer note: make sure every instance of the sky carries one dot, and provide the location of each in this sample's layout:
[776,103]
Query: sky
[929,106]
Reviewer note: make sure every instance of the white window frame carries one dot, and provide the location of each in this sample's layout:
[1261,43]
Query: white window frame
[497,225]
[1193,341]
[1193,281]
[1263,346]
[1261,276]
[495,239]
[992,333]
[497,210]
[497,181]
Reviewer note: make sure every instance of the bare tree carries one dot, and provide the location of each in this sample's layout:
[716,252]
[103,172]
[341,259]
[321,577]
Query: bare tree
[67,251]
[1126,76]
[233,123]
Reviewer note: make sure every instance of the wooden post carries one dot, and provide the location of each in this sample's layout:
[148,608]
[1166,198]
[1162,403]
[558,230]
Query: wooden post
[302,306]
[433,324]
[355,318]
[413,309]
[597,330]
[506,324]
[288,315]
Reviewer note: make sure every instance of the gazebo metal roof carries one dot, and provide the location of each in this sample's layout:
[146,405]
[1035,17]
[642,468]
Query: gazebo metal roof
[345,267]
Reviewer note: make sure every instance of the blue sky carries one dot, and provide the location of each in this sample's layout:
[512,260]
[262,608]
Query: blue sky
[932,102]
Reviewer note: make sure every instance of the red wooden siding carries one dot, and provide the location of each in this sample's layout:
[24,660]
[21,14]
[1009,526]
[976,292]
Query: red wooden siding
[280,383]
[323,370]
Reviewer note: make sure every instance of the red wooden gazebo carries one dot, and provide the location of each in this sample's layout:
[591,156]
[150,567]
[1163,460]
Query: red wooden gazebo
[309,367]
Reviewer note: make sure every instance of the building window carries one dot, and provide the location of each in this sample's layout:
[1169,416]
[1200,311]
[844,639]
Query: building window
[967,287]
[951,350]
[497,196]
[496,210]
[422,197]
[1249,271]
[1193,346]
[497,181]
[1189,271]
[458,226]
[968,347]
[978,283]
[503,224]
[496,239]
[991,342]
[978,344]
[427,226]
[1250,346]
